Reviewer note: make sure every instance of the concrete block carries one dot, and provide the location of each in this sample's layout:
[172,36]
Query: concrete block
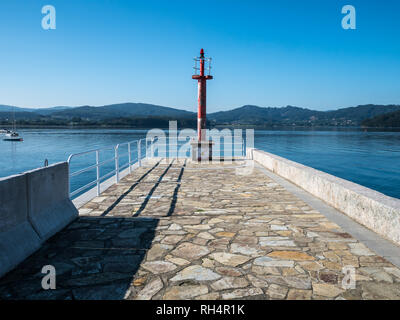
[18,239]
[49,206]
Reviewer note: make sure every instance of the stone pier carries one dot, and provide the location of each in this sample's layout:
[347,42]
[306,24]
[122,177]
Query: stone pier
[184,230]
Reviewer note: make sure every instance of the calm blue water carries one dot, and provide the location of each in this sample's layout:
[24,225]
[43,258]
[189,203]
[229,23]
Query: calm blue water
[57,144]
[371,159]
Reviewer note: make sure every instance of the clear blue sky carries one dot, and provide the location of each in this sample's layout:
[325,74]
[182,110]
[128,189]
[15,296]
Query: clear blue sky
[267,53]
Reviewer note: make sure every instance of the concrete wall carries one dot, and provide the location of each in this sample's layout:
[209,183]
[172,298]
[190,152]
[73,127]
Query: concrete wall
[18,239]
[33,206]
[370,208]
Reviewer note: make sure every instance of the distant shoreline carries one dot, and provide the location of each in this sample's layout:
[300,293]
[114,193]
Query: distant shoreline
[255,127]
[142,115]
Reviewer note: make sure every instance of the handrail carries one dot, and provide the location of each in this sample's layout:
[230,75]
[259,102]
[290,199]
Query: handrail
[87,152]
[98,164]
[154,142]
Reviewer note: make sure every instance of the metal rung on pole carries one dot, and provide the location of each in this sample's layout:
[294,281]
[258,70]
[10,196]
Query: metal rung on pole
[152,148]
[139,146]
[129,157]
[97,172]
[116,164]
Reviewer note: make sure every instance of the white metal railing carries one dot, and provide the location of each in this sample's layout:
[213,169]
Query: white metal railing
[98,164]
[150,151]
[234,149]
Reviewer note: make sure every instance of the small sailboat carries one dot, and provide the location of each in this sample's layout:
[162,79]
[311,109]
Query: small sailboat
[13,135]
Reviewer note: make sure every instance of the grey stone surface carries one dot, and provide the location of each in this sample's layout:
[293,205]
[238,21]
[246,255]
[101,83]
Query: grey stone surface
[368,207]
[150,289]
[203,231]
[185,292]
[195,272]
[371,239]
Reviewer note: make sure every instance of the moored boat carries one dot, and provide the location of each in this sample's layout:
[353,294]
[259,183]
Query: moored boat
[12,136]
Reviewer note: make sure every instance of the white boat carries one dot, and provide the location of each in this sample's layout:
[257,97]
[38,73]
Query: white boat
[12,136]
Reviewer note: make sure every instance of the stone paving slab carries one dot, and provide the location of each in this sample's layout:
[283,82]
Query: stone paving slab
[190,231]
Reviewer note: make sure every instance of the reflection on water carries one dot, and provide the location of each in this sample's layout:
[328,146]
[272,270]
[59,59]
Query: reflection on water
[370,158]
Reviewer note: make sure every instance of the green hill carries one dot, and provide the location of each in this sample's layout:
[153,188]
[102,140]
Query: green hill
[387,120]
[246,115]
[122,110]
[254,115]
[257,115]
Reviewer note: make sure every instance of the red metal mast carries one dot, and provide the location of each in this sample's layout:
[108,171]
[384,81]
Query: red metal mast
[202,97]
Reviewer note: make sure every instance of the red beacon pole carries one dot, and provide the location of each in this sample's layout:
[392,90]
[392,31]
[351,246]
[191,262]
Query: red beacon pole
[202,94]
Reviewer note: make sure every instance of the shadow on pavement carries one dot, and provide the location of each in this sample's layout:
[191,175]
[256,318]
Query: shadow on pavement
[94,257]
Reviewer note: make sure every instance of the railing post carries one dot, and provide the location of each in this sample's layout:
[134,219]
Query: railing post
[116,164]
[99,164]
[129,157]
[97,172]
[152,148]
[69,177]
[139,152]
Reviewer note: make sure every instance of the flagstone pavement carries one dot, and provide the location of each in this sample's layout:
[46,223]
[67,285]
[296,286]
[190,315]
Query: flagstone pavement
[180,230]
